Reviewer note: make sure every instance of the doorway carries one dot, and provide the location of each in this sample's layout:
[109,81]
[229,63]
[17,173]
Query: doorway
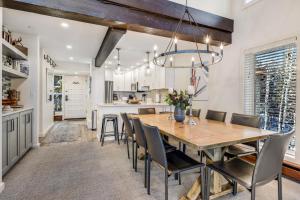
[75,93]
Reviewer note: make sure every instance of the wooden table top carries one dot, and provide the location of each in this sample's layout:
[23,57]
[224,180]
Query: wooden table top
[207,134]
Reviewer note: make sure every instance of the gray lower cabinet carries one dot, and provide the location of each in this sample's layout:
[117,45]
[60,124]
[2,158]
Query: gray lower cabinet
[16,138]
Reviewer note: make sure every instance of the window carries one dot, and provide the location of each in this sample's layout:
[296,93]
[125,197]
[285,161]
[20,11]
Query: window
[270,88]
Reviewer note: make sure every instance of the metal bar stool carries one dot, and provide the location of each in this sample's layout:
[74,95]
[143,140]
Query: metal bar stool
[109,118]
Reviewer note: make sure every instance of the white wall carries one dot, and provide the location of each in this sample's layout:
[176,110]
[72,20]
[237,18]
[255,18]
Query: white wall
[264,22]
[30,87]
[72,67]
[47,107]
[218,7]
[1,183]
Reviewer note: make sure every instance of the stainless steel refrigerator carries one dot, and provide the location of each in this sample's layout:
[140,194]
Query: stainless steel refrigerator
[109,85]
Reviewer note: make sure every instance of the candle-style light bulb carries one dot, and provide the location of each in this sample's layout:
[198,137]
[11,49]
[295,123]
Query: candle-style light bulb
[171,61]
[155,48]
[207,39]
[193,61]
[221,48]
[175,41]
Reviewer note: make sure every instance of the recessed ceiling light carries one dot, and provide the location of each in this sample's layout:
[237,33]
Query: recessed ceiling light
[71,58]
[75,72]
[69,46]
[64,25]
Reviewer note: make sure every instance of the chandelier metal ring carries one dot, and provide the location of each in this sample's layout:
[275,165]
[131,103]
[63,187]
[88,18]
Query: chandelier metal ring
[217,57]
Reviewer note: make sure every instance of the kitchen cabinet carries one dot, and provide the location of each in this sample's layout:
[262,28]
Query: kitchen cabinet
[118,82]
[127,81]
[16,137]
[5,163]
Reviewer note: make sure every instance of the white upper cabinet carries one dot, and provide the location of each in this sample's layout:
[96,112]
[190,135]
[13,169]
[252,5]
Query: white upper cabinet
[158,78]
[127,81]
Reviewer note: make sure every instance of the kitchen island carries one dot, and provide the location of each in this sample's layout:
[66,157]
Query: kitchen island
[117,108]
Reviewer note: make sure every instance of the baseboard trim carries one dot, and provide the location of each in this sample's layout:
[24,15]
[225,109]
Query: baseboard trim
[2,186]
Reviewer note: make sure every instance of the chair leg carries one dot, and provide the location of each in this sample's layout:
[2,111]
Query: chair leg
[148,173]
[183,148]
[253,193]
[279,186]
[207,175]
[117,131]
[127,147]
[179,178]
[145,172]
[135,159]
[166,184]
[234,188]
[203,188]
[133,153]
[104,129]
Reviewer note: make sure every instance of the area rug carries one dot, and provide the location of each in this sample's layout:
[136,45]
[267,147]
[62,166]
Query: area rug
[62,132]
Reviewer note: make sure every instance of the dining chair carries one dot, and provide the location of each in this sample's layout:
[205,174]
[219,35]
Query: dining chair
[141,142]
[248,147]
[216,115]
[173,162]
[129,133]
[195,112]
[146,111]
[268,167]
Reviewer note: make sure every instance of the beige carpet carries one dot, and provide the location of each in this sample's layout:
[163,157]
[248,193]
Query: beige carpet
[86,171]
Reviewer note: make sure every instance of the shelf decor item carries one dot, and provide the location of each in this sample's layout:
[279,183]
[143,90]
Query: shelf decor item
[180,100]
[18,44]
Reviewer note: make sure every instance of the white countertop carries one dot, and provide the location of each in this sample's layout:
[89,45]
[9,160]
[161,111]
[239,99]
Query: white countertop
[132,105]
[17,110]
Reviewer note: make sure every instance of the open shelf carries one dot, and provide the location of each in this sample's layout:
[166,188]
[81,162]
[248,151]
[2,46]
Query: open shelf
[10,50]
[13,73]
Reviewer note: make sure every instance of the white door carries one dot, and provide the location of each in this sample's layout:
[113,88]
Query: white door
[75,93]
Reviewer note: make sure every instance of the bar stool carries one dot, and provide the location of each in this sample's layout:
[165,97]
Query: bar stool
[109,118]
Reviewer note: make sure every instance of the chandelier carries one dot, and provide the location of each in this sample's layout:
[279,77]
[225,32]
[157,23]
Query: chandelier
[199,57]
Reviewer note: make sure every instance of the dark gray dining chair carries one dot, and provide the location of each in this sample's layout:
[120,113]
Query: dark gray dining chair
[173,162]
[216,115]
[129,134]
[248,147]
[141,142]
[146,111]
[268,166]
[195,112]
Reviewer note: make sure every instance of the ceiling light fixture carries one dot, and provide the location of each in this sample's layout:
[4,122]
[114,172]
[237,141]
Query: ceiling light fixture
[64,25]
[71,58]
[203,57]
[76,73]
[69,46]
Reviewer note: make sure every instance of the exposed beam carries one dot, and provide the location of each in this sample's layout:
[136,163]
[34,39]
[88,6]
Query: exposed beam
[109,42]
[143,16]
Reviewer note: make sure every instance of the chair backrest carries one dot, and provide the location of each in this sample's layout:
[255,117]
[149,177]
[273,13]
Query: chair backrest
[195,112]
[216,115]
[247,120]
[128,127]
[145,111]
[155,145]
[270,158]
[139,132]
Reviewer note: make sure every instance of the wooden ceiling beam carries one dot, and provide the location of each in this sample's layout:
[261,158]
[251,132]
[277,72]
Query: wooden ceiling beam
[143,16]
[110,40]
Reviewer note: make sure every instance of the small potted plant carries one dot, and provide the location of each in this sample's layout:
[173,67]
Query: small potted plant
[180,100]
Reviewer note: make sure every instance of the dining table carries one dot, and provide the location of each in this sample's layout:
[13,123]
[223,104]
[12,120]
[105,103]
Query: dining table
[209,136]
